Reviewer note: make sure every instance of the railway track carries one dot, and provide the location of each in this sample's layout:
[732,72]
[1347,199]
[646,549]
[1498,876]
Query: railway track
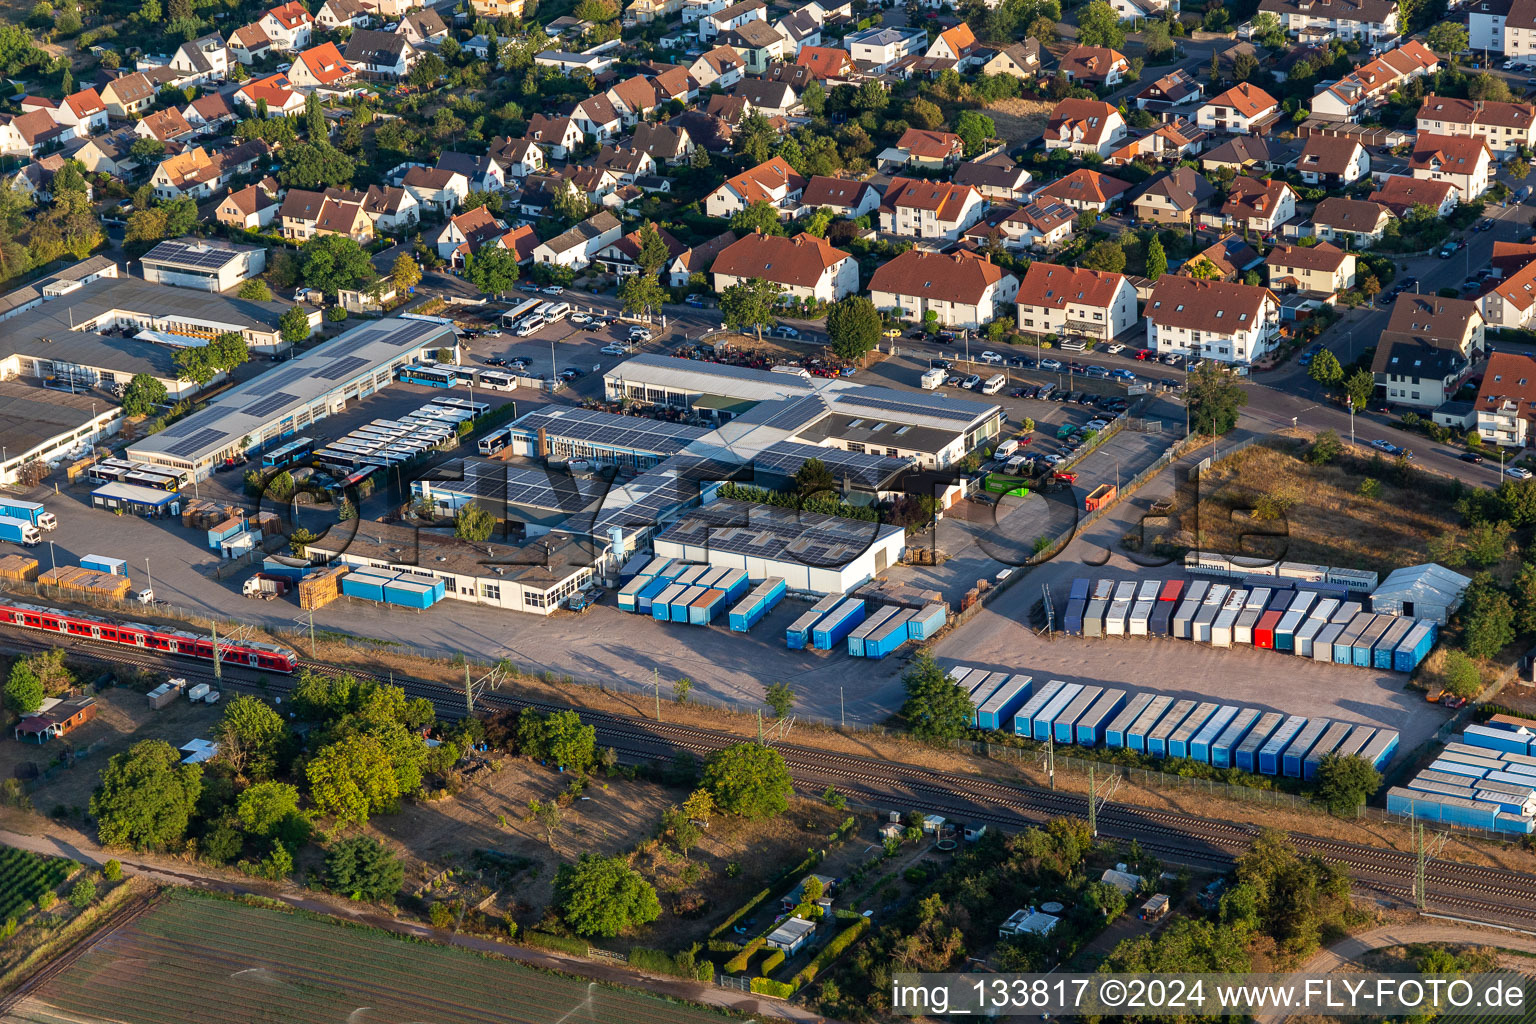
[1493,894]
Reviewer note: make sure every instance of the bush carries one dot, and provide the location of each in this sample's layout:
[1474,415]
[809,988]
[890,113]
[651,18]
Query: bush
[769,987]
[773,961]
[563,943]
[83,894]
[336,314]
[834,949]
[441,915]
[112,871]
[739,963]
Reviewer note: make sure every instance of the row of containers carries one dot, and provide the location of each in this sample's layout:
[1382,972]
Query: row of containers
[867,633]
[1308,620]
[1486,780]
[1220,735]
[385,586]
[669,590]
[1208,563]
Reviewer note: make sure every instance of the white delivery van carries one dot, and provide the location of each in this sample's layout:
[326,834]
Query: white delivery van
[1007,448]
[994,384]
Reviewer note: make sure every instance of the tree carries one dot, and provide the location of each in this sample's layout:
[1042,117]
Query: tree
[314,165]
[1518,168]
[935,708]
[813,477]
[749,305]
[758,216]
[405,274]
[334,262]
[1460,675]
[558,737]
[255,290]
[493,269]
[251,735]
[1157,259]
[923,114]
[1325,448]
[681,689]
[1325,369]
[1202,269]
[1214,398]
[364,869]
[853,326]
[1448,38]
[748,779]
[1488,620]
[352,779]
[871,97]
[146,150]
[23,689]
[1268,31]
[603,896]
[676,824]
[654,253]
[974,129]
[779,698]
[1359,387]
[1099,25]
[572,204]
[473,523]
[144,395]
[146,797]
[314,119]
[1104,255]
[265,807]
[641,293]
[1344,783]
[83,894]
[547,814]
[1106,899]
[1244,67]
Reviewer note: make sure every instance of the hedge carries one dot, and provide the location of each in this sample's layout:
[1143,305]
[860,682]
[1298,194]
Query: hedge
[772,962]
[769,987]
[762,894]
[833,950]
[724,946]
[682,965]
[739,962]
[560,942]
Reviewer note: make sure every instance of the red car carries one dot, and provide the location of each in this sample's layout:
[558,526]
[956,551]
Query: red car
[1146,353]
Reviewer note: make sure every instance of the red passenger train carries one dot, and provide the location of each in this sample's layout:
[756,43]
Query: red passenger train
[267,657]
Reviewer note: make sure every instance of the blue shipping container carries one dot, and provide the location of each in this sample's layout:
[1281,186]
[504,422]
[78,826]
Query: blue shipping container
[1297,750]
[1382,654]
[751,609]
[1091,726]
[1496,739]
[798,634]
[1041,725]
[1224,747]
[888,636]
[1024,719]
[1062,728]
[838,623]
[1246,757]
[999,709]
[703,608]
[1179,742]
[1072,618]
[873,621]
[1157,736]
[1120,724]
[365,584]
[927,622]
[1269,753]
[1136,735]
[1200,745]
[1079,590]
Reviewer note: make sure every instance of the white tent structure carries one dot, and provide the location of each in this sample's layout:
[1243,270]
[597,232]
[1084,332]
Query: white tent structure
[1427,591]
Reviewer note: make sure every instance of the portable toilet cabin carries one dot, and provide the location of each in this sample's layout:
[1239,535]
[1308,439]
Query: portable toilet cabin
[1043,721]
[1296,751]
[1089,728]
[997,713]
[838,623]
[1115,732]
[1269,753]
[1157,737]
[1024,718]
[1224,747]
[1136,736]
[863,630]
[1383,649]
[1246,756]
[1179,741]
[1200,744]
[1329,743]
[1064,725]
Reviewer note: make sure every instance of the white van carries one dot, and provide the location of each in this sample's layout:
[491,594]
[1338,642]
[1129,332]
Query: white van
[994,384]
[530,326]
[933,379]
[1007,448]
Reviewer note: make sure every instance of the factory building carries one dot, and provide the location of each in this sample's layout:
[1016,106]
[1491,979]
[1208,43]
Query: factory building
[44,424]
[208,266]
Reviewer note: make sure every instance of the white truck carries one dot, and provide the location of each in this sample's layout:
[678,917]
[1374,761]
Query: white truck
[933,379]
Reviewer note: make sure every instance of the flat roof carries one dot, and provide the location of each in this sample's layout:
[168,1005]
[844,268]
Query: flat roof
[74,272]
[510,485]
[248,408]
[779,534]
[610,430]
[138,495]
[187,254]
[872,472]
[698,377]
[32,414]
[543,562]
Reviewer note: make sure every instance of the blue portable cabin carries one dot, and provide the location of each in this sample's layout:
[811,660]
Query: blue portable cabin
[1384,648]
[1179,742]
[1246,757]
[1189,607]
[1079,590]
[1093,616]
[1062,728]
[997,713]
[1136,735]
[1089,728]
[735,583]
[409,591]
[1157,736]
[1295,617]
[1120,724]
[1161,623]
[798,634]
[1365,645]
[629,593]
[1269,753]
[982,684]
[1043,721]
[1296,751]
[367,584]
[1505,740]
[836,625]
[710,602]
[1224,747]
[1024,718]
[1445,809]
[861,631]
[689,573]
[1358,737]
[1072,618]
[928,620]
[749,611]
[681,604]
[890,635]
[1415,647]
[661,609]
[1200,744]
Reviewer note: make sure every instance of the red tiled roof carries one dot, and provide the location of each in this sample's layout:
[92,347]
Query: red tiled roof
[1221,306]
[798,261]
[326,64]
[944,198]
[1084,186]
[931,145]
[1052,285]
[955,277]
[1248,100]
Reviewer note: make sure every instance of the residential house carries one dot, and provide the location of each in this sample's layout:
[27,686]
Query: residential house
[1506,401]
[758,43]
[1142,10]
[826,64]
[36,179]
[273,94]
[438,190]
[805,266]
[109,154]
[733,16]
[772,181]
[320,67]
[721,66]
[665,144]
[697,260]
[1359,223]
[30,134]
[957,43]
[202,60]
[163,126]
[1177,90]
[209,111]
[198,173]
[1083,127]
[1511,303]
[466,232]
[517,158]
[250,209]
[129,95]
[1332,161]
[622,258]
[1173,197]
[634,99]
[1097,67]
[483,173]
[558,135]
[643,12]
[1368,21]
[1169,142]
[289,26]
[1509,257]
[339,14]
[1462,160]
[1323,270]
[392,209]
[843,196]
[577,247]
[596,116]
[304,215]
[675,83]
[1368,86]
[1243,154]
[1243,109]
[931,151]
[1085,190]
[1427,349]
[625,163]
[929,209]
[494,10]
[1022,60]
[1217,320]
[379,56]
[1229,258]
[771,99]
[595,62]
[882,48]
[1401,194]
[422,28]
[249,44]
[1506,128]
[521,241]
[800,28]
[84,111]
[1073,302]
[1485,25]
[963,289]
[995,177]
[1260,206]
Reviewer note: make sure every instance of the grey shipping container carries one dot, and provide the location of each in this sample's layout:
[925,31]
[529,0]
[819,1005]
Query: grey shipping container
[1120,724]
[1157,737]
[1328,744]
[1093,617]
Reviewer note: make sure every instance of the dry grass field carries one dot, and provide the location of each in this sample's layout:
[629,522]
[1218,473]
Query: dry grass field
[1019,121]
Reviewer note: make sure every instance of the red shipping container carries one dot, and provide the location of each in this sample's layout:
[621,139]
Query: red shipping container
[1171,590]
[1264,631]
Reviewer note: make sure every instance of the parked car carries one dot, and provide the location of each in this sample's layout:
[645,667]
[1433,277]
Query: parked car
[1172,359]
[1518,472]
[1145,353]
[939,364]
[697,301]
[1122,373]
[614,350]
[972,382]
[954,380]
[580,318]
[639,334]
[991,357]
[553,289]
[1096,372]
[1115,349]
[495,361]
[1471,457]
[784,331]
[1050,364]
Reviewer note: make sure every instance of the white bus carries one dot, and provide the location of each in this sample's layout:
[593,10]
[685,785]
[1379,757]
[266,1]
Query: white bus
[994,384]
[494,380]
[495,442]
[517,312]
[530,325]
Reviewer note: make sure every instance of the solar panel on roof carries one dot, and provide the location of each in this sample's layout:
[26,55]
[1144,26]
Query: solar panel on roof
[931,408]
[340,368]
[270,404]
[191,444]
[796,413]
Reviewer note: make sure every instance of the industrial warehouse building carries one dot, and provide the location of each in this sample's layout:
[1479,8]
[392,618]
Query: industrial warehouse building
[208,266]
[43,424]
[286,400]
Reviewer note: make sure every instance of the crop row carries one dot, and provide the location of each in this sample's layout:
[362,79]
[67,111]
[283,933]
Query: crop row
[26,876]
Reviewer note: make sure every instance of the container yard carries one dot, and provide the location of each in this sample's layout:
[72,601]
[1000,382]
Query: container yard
[1223,736]
[1303,619]
[1485,780]
[758,603]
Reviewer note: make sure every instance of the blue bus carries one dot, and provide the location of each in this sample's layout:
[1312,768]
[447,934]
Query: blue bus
[287,454]
[430,376]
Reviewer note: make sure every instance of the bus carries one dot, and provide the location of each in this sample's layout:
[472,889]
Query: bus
[429,376]
[478,408]
[287,454]
[495,380]
[357,478]
[111,469]
[496,442]
[157,481]
[516,313]
[554,311]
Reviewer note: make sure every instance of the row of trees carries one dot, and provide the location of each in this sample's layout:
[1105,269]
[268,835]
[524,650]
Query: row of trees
[201,363]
